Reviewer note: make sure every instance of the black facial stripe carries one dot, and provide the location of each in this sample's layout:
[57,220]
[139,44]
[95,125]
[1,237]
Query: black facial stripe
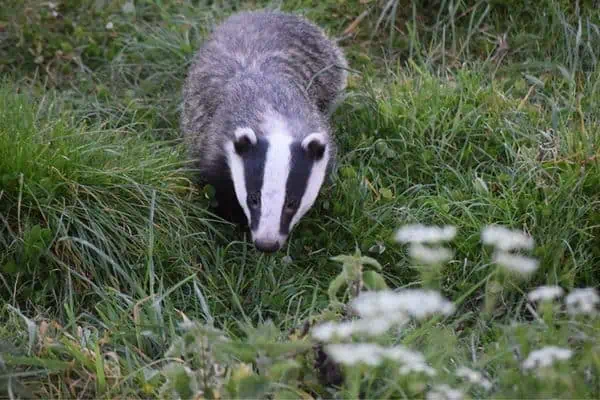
[254,169]
[300,169]
[228,206]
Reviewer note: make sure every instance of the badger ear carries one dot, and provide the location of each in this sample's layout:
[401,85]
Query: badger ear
[314,145]
[244,139]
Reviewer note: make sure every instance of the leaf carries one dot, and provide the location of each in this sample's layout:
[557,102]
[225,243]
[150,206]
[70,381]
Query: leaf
[480,186]
[386,193]
[365,260]
[289,394]
[100,376]
[279,349]
[534,80]
[374,281]
[242,351]
[180,380]
[50,365]
[335,286]
[253,387]
[10,267]
[279,371]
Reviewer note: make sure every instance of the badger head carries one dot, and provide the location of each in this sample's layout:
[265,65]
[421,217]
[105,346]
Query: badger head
[276,181]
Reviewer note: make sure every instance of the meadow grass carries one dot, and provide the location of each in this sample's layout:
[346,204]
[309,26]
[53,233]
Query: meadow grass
[458,113]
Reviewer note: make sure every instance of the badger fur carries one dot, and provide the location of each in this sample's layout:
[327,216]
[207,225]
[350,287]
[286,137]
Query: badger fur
[256,104]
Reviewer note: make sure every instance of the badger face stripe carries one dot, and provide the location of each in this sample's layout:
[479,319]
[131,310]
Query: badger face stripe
[316,176]
[247,171]
[276,171]
[254,173]
[301,166]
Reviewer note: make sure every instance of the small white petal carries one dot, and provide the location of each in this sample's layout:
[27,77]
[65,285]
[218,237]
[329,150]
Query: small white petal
[418,303]
[350,354]
[444,392]
[473,377]
[425,234]
[546,356]
[325,331]
[404,355]
[109,25]
[375,326]
[545,293]
[582,301]
[417,368]
[506,239]
[515,263]
[429,255]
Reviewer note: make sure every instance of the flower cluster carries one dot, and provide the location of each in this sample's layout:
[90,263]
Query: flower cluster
[504,241]
[473,377]
[330,330]
[382,310]
[373,354]
[417,235]
[379,311]
[417,303]
[444,392]
[582,301]
[545,293]
[546,356]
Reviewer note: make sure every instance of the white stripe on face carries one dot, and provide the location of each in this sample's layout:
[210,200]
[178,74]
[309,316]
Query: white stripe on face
[277,167]
[236,165]
[315,180]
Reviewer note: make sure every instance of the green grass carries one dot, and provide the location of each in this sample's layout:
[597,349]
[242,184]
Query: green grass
[106,245]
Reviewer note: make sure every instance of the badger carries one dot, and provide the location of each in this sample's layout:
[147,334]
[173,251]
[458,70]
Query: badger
[257,101]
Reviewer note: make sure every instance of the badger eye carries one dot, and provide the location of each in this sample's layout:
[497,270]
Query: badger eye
[291,205]
[254,200]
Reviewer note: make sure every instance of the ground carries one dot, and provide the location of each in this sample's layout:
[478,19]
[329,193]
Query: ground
[457,113]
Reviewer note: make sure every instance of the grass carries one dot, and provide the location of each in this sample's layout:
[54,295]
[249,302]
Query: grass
[459,113]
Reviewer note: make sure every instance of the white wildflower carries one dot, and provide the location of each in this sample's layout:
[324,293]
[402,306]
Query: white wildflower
[546,356]
[128,7]
[516,263]
[542,293]
[506,239]
[404,355]
[109,26]
[582,301]
[373,354]
[473,377]
[377,325]
[417,368]
[418,303]
[328,330]
[425,234]
[350,354]
[444,392]
[371,326]
[430,255]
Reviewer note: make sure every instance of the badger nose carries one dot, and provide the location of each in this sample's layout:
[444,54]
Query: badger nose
[266,246]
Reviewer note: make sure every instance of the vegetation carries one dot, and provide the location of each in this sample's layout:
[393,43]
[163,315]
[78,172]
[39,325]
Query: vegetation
[116,279]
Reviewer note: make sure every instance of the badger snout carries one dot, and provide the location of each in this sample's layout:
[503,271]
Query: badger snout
[268,242]
[267,246]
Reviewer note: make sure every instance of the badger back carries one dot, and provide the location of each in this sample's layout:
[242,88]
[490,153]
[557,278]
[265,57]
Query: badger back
[282,44]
